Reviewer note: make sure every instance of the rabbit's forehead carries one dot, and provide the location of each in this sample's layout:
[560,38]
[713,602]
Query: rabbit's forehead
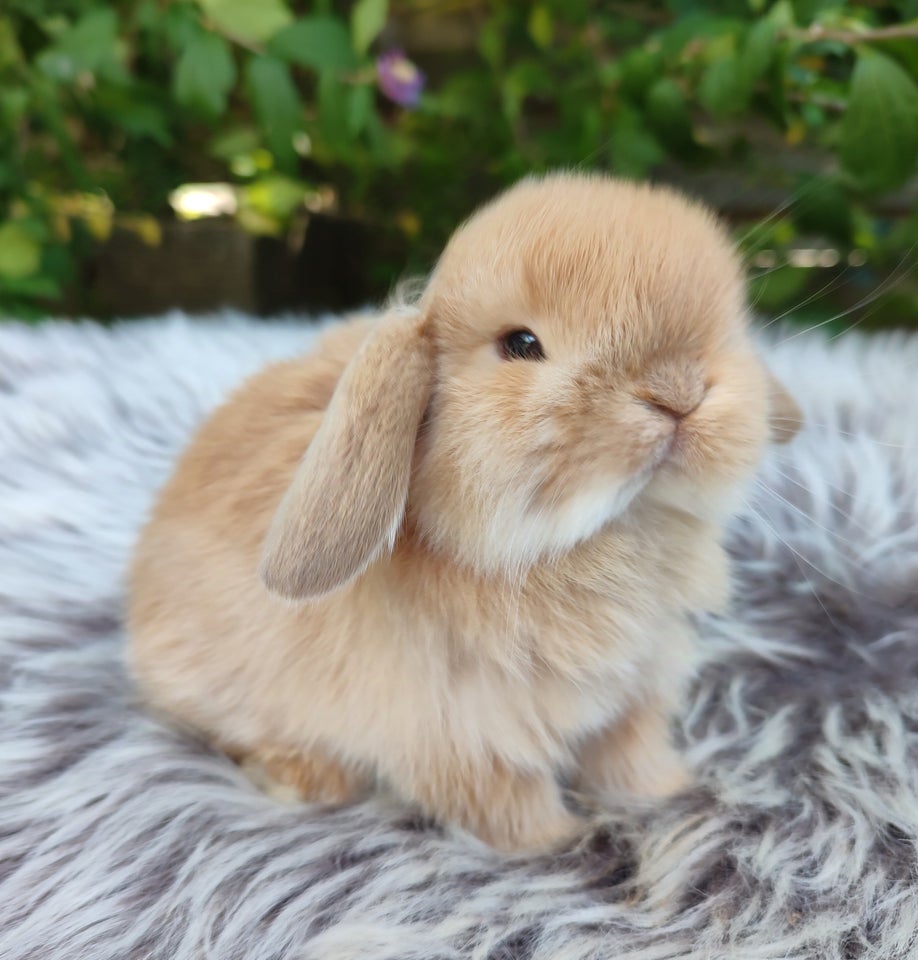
[587,294]
[586,262]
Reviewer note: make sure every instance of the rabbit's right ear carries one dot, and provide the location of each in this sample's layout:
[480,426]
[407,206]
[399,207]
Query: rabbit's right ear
[348,496]
[784,416]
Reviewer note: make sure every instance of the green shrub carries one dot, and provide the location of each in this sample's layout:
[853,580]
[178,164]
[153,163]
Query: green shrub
[106,108]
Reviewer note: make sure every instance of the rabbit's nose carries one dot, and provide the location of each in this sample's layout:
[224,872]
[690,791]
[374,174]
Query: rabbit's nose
[677,413]
[676,389]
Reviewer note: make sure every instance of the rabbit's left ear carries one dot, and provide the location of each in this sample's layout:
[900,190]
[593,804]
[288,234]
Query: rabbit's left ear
[347,499]
[784,416]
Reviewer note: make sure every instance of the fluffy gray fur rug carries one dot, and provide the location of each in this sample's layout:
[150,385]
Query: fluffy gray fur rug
[120,838]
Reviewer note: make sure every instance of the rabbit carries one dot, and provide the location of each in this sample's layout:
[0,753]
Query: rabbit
[454,551]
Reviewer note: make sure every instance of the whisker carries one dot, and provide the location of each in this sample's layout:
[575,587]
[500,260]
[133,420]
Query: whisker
[761,276]
[801,559]
[894,278]
[768,272]
[795,197]
[834,282]
[870,312]
[805,422]
[761,291]
[825,482]
[770,490]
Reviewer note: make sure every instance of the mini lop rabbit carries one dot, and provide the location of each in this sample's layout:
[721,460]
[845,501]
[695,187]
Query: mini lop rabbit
[454,550]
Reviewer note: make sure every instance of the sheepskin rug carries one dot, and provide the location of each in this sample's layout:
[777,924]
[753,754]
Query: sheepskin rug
[121,838]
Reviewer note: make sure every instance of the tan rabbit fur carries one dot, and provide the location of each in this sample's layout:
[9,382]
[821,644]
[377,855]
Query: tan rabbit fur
[413,559]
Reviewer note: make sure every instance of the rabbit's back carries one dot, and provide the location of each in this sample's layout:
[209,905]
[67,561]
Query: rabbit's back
[198,613]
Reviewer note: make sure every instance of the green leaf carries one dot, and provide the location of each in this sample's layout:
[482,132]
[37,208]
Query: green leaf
[776,100]
[879,133]
[526,78]
[321,43]
[491,41]
[137,112]
[782,15]
[20,255]
[205,74]
[382,143]
[253,21]
[723,88]
[147,15]
[640,69]
[277,107]
[90,45]
[759,49]
[46,105]
[633,149]
[10,53]
[808,10]
[693,27]
[540,26]
[822,209]
[360,109]
[334,118]
[180,25]
[235,142]
[275,196]
[14,101]
[35,287]
[368,17]
[668,112]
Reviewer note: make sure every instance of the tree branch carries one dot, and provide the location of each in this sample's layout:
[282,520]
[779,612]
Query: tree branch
[815,33]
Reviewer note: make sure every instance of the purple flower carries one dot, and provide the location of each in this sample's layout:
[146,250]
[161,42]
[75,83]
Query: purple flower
[399,79]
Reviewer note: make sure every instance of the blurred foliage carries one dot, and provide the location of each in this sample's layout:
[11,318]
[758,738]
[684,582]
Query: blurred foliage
[108,106]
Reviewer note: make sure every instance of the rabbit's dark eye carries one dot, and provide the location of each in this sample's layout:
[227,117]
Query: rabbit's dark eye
[521,345]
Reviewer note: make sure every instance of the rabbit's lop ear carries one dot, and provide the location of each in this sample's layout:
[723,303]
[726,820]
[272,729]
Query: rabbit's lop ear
[347,498]
[784,416]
